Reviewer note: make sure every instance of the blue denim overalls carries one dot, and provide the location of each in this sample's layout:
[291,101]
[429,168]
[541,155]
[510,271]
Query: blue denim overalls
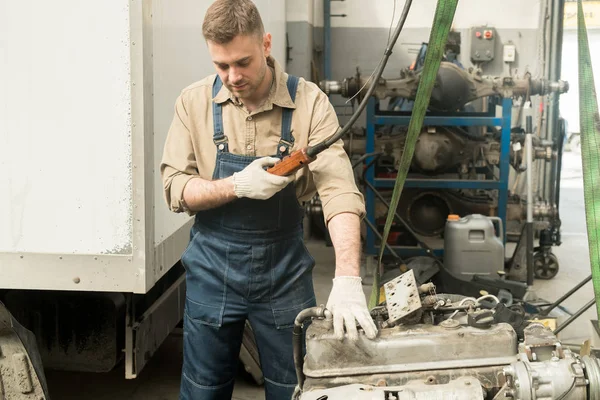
[245,260]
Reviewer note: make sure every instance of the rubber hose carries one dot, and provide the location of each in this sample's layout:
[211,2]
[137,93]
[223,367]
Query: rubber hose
[298,335]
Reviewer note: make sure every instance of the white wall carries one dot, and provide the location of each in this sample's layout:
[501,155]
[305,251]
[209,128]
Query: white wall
[505,14]
[65,138]
[299,10]
[569,102]
[273,14]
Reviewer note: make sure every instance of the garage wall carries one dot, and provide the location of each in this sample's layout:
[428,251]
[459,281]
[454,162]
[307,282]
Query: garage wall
[359,38]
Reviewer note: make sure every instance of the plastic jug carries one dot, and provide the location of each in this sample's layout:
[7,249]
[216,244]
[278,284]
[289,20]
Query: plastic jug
[472,246]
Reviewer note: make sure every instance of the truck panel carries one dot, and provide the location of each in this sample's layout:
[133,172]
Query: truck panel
[65,126]
[84,111]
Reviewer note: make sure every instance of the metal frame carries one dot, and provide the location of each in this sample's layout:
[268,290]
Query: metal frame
[143,336]
[142,121]
[376,118]
[138,271]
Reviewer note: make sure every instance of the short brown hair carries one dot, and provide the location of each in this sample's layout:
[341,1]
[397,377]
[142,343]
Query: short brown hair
[226,19]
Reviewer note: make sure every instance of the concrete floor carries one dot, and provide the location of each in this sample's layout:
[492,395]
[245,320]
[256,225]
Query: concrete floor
[160,379]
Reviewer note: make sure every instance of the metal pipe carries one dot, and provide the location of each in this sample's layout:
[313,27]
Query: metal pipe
[555,72]
[553,68]
[529,164]
[546,20]
[327,38]
[574,316]
[559,156]
[529,172]
[298,336]
[552,306]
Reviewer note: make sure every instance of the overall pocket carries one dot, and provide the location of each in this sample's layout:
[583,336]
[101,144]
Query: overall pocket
[206,266]
[203,313]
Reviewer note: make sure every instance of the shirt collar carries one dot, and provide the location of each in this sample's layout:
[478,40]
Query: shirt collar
[279,94]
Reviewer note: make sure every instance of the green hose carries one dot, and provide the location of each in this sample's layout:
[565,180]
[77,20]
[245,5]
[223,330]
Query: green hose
[590,149]
[442,22]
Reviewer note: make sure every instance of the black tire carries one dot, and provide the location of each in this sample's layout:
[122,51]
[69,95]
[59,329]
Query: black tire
[545,265]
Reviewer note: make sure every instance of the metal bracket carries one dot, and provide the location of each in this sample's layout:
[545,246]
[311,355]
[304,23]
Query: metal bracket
[402,297]
[144,336]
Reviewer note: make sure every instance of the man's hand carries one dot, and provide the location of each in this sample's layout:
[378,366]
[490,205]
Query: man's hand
[256,183]
[348,306]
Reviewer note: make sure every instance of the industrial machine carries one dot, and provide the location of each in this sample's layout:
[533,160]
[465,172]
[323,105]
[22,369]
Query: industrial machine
[463,159]
[442,346]
[470,157]
[445,340]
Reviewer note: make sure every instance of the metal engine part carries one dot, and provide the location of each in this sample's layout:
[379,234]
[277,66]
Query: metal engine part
[401,349]
[464,388]
[454,87]
[549,371]
[428,213]
[426,210]
[435,152]
[453,347]
[438,150]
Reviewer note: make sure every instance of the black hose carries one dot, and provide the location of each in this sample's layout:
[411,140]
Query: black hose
[298,336]
[314,150]
[364,157]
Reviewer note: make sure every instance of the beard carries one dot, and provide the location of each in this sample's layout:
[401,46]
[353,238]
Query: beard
[247,88]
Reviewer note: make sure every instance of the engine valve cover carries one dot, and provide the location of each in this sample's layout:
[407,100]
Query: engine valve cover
[407,348]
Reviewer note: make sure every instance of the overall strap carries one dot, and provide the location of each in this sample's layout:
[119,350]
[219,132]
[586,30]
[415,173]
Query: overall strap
[287,140]
[219,137]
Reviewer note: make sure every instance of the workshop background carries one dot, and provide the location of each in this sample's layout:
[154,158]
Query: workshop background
[319,40]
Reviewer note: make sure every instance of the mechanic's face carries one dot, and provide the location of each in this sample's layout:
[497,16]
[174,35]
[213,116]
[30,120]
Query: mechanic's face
[241,63]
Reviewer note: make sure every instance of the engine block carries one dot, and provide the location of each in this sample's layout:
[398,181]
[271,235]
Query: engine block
[453,347]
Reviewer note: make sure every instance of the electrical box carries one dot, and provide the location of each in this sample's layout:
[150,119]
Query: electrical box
[483,44]
[509,53]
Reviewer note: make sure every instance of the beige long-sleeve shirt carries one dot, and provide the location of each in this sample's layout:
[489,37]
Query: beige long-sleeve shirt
[189,150]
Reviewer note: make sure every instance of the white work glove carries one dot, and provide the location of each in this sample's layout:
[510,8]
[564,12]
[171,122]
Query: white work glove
[255,182]
[348,306]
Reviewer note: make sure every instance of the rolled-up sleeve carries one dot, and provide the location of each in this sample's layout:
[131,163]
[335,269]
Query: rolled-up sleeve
[178,163]
[332,171]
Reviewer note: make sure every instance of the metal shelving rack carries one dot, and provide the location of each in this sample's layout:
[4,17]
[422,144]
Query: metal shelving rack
[376,118]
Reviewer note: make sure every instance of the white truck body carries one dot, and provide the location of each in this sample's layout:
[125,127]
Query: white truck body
[86,99]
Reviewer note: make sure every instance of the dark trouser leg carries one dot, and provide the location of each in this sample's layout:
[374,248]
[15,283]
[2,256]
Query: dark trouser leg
[291,291]
[210,359]
[274,341]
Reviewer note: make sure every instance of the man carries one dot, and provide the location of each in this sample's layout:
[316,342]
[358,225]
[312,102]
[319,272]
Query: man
[246,258]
